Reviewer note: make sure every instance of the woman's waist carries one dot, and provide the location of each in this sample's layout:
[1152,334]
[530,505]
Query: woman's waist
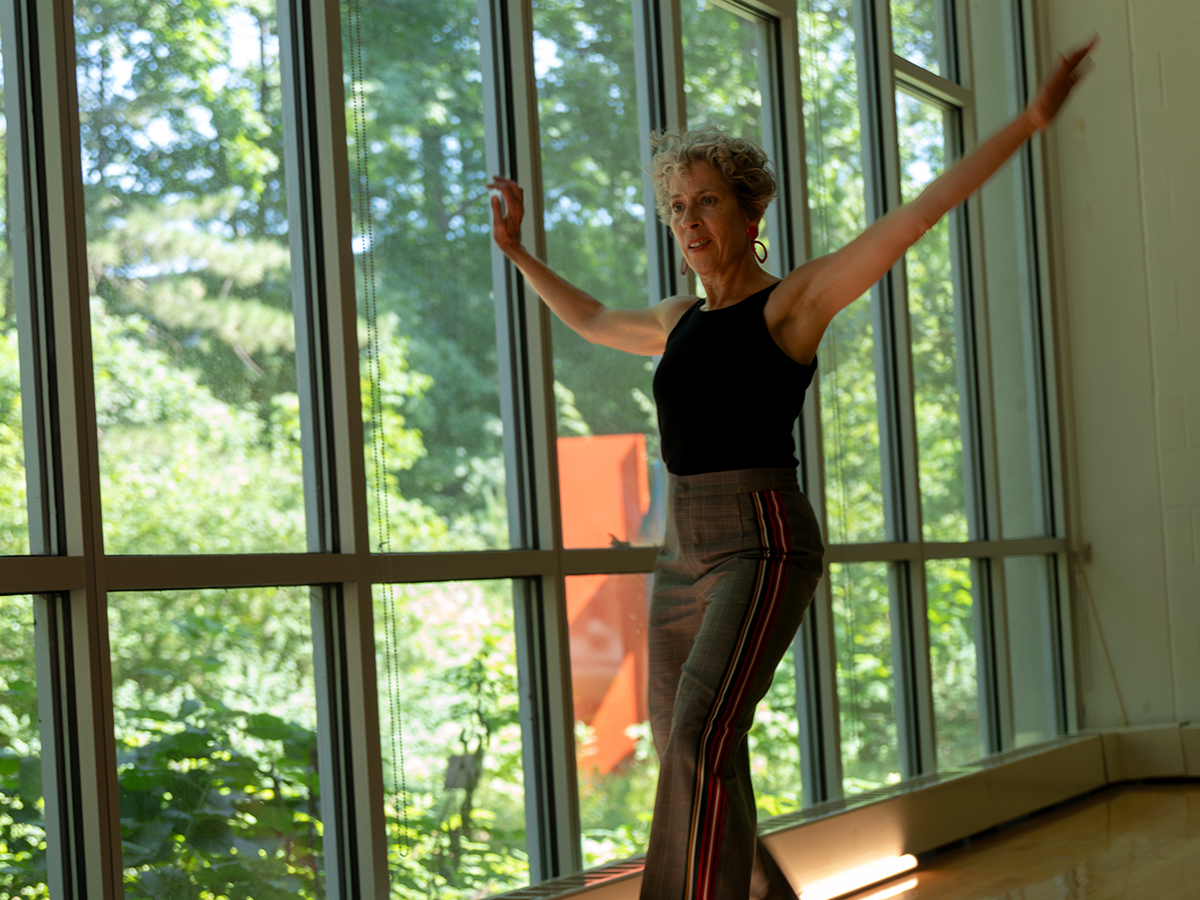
[733,481]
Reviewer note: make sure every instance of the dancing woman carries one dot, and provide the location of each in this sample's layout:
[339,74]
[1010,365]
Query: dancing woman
[742,551]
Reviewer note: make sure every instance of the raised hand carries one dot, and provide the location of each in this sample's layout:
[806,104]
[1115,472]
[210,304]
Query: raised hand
[1055,90]
[506,217]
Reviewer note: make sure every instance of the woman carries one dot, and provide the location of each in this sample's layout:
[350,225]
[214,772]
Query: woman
[742,550]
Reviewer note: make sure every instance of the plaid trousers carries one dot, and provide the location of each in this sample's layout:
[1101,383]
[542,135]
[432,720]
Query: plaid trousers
[740,561]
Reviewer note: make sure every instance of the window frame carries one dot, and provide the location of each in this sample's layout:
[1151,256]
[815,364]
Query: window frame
[71,575]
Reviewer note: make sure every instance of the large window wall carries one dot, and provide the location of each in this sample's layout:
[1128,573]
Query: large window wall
[327,549]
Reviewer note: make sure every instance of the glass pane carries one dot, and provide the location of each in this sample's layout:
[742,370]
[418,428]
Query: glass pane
[919,33]
[14,519]
[720,65]
[192,327]
[431,397]
[215,717]
[1013,308]
[952,664]
[775,746]
[448,704]
[721,81]
[610,467]
[22,811]
[933,318]
[865,680]
[614,749]
[849,411]
[1030,598]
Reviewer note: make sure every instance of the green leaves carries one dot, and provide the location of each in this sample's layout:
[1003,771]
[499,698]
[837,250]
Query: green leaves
[208,802]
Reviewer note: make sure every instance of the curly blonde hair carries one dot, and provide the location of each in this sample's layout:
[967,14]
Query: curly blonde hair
[741,162]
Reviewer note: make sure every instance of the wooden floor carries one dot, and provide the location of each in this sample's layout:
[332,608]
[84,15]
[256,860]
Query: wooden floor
[1126,843]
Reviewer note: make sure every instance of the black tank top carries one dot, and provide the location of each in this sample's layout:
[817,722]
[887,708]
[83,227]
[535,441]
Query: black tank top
[727,394]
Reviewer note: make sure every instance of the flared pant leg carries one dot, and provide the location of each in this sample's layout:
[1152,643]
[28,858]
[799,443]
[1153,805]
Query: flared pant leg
[739,566]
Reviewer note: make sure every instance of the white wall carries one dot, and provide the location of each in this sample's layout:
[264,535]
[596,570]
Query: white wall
[1124,186]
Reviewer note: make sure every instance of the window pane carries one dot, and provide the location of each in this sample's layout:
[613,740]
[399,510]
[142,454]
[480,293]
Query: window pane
[22,811]
[1030,599]
[14,518]
[448,704]
[849,411]
[952,663]
[720,64]
[192,326]
[610,467]
[775,746]
[935,330]
[722,82]
[431,396]
[614,749]
[1013,308]
[865,678]
[919,33]
[215,718]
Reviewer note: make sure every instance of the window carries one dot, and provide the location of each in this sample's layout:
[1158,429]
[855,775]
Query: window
[327,549]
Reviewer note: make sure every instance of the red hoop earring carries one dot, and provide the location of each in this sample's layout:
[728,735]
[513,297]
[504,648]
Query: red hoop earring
[752,230]
[683,267]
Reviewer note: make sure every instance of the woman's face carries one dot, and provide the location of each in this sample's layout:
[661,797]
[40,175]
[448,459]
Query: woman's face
[707,220]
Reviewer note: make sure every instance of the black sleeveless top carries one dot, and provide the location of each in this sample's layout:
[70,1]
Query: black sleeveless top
[727,394]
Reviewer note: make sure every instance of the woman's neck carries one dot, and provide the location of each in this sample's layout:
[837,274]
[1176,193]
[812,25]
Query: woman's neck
[734,287]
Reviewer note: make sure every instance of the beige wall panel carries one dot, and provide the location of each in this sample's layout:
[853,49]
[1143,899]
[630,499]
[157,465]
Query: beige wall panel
[1144,753]
[1166,74]
[1118,276]
[1191,749]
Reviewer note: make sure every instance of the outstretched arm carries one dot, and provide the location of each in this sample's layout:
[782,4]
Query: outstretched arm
[641,331]
[821,288]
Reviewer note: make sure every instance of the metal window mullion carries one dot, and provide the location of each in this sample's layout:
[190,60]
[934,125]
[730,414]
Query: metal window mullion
[999,728]
[317,172]
[528,409]
[48,244]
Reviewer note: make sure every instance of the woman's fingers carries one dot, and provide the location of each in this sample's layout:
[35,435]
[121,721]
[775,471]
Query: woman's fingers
[1054,92]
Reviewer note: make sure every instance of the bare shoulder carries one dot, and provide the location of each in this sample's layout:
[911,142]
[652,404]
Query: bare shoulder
[670,310]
